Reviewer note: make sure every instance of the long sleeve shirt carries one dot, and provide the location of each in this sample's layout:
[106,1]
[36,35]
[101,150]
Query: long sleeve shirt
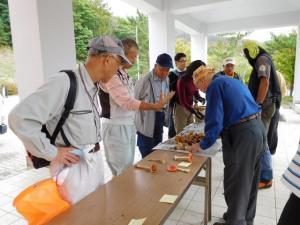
[121,103]
[45,106]
[185,91]
[291,177]
[144,91]
[228,101]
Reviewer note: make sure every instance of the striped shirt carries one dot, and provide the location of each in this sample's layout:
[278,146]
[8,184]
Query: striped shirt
[159,86]
[291,177]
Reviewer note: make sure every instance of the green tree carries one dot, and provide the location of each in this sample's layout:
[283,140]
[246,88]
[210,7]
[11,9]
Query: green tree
[7,67]
[183,45]
[228,45]
[283,50]
[137,29]
[5,34]
[91,18]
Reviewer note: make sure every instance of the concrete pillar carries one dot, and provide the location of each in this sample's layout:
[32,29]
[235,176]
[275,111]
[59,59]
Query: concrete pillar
[162,35]
[296,94]
[43,40]
[199,47]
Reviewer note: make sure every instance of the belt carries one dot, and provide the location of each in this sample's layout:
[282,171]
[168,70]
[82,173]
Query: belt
[95,149]
[254,116]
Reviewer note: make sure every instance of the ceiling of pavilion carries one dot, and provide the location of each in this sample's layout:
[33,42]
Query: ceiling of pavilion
[214,16]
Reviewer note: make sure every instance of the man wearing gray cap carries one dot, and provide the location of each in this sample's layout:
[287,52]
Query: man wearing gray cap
[149,124]
[75,148]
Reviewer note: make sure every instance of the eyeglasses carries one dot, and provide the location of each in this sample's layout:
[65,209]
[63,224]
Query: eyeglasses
[182,61]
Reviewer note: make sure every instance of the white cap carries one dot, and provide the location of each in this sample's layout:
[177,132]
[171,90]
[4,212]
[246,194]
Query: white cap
[229,60]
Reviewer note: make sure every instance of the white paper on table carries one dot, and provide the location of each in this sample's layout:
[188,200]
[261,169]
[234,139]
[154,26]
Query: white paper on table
[168,199]
[137,221]
[211,151]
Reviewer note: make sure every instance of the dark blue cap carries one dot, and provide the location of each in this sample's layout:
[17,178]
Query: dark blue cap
[164,60]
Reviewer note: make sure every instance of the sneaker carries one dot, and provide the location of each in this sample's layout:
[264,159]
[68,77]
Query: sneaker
[265,184]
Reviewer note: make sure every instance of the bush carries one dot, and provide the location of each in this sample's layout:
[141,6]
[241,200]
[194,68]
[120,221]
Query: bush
[287,102]
[7,70]
[10,86]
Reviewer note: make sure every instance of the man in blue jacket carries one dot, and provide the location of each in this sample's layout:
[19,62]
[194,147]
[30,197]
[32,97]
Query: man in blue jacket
[236,118]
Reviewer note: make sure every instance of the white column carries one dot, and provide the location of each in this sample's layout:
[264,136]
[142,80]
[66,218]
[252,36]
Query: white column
[43,40]
[296,94]
[162,35]
[199,47]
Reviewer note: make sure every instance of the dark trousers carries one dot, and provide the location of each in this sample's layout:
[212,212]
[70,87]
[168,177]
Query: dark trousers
[243,145]
[290,213]
[272,132]
[171,132]
[147,143]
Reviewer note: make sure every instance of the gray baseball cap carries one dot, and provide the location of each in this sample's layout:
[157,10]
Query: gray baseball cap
[107,44]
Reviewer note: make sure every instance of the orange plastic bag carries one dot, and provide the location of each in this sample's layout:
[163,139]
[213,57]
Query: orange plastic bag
[41,202]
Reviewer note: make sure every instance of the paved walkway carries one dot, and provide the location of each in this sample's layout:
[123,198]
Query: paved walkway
[14,177]
[12,154]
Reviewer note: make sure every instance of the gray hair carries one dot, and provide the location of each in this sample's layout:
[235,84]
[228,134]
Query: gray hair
[129,43]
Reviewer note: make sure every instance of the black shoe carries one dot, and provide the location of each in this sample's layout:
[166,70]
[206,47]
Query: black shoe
[219,223]
[225,216]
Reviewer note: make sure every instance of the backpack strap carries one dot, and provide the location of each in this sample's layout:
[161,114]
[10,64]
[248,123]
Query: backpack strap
[69,104]
[64,137]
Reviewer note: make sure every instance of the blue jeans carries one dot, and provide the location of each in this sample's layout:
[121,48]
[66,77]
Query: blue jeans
[266,173]
[268,110]
[147,143]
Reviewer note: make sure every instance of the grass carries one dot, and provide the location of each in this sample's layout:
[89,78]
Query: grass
[287,102]
[7,65]
[7,70]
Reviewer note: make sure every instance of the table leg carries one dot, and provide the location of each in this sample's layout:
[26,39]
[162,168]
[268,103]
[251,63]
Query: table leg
[206,183]
[208,177]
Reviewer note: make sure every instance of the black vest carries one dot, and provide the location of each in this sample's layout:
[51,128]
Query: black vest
[274,88]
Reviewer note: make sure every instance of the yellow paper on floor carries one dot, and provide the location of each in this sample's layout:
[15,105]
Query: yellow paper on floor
[168,199]
[184,164]
[137,221]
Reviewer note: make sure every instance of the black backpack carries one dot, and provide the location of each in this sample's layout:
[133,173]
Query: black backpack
[69,104]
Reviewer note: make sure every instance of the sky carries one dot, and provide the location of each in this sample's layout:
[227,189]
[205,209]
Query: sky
[265,34]
[261,35]
[118,6]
